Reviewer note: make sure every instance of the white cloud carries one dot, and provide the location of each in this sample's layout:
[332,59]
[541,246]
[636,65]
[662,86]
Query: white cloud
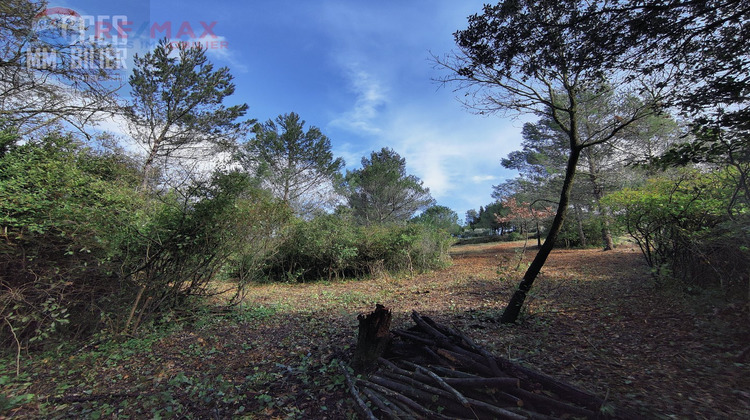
[220,49]
[456,154]
[371,97]
[483,178]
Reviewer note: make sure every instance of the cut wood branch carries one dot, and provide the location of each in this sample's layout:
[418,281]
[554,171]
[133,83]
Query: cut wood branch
[363,409]
[434,371]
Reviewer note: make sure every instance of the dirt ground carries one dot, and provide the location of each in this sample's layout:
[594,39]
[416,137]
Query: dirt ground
[594,318]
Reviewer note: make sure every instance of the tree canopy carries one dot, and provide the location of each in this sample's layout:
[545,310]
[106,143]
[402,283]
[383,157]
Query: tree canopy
[382,192]
[177,104]
[296,165]
[539,57]
[440,217]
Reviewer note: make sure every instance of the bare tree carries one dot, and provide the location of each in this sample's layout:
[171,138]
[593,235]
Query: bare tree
[44,78]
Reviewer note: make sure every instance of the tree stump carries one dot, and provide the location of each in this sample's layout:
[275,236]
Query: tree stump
[373,337]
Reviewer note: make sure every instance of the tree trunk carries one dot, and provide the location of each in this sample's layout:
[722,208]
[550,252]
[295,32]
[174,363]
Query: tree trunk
[510,315]
[147,169]
[373,338]
[148,166]
[579,220]
[598,194]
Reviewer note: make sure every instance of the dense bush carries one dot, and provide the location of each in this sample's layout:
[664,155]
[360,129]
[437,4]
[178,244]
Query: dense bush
[687,228]
[82,249]
[64,214]
[333,245]
[224,225]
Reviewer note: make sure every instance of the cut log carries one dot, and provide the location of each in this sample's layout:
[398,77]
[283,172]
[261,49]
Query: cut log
[363,409]
[550,405]
[435,371]
[372,340]
[498,383]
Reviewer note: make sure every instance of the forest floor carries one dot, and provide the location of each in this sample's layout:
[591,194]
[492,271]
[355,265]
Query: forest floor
[594,318]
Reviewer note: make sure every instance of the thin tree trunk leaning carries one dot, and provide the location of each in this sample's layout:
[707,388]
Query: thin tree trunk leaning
[511,312]
[148,166]
[433,371]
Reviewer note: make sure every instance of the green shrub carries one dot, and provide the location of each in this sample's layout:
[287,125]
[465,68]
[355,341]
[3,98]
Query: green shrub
[65,211]
[81,247]
[224,225]
[683,227]
[333,246]
[514,236]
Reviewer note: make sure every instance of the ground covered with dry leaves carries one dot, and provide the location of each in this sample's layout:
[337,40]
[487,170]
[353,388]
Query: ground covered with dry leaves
[594,318]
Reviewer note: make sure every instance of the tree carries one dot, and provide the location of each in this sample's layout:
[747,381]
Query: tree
[705,45]
[486,217]
[540,164]
[40,83]
[472,218]
[522,216]
[177,104]
[296,165]
[440,217]
[532,56]
[382,192]
[605,167]
[66,209]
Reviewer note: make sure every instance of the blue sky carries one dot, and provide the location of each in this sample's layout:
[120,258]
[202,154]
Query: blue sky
[361,71]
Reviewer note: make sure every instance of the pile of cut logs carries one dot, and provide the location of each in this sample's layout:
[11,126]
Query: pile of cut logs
[436,372]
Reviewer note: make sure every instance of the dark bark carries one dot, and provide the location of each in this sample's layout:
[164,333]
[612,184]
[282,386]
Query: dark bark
[406,387]
[511,312]
[373,338]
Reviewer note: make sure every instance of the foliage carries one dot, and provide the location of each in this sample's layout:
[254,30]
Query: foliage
[471,218]
[80,245]
[719,147]
[65,212]
[221,225]
[521,215]
[683,227]
[703,46]
[440,217]
[382,192]
[332,246]
[488,217]
[572,230]
[296,165]
[177,103]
